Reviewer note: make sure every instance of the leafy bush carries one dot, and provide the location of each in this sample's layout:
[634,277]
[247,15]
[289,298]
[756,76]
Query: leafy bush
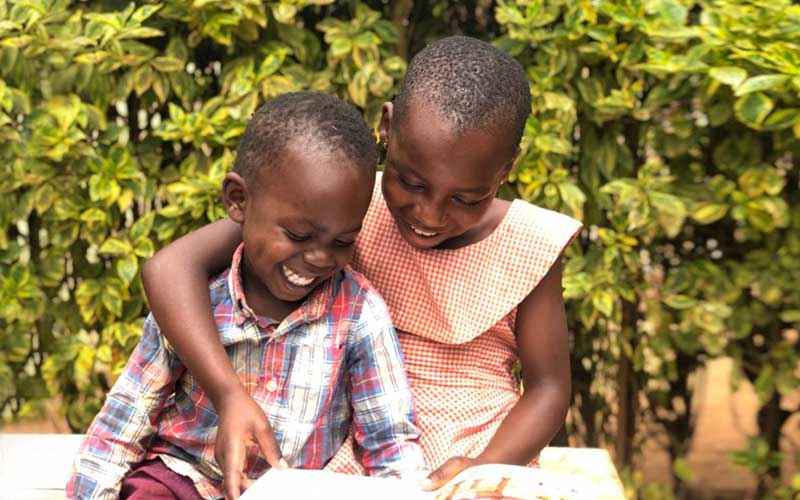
[672,127]
[669,126]
[118,123]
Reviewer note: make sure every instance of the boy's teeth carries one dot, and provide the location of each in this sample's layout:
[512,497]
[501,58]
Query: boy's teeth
[296,279]
[422,233]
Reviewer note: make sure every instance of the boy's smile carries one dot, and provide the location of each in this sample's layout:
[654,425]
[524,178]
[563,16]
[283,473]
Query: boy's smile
[440,187]
[297,279]
[299,221]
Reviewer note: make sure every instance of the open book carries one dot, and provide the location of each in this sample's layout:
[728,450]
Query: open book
[494,482]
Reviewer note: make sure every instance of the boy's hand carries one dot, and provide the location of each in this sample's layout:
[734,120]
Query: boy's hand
[242,423]
[446,472]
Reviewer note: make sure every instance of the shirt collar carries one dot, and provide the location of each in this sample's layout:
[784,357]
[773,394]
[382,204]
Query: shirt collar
[313,308]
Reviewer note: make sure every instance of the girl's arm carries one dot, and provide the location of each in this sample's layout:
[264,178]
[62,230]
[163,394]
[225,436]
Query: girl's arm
[542,341]
[176,284]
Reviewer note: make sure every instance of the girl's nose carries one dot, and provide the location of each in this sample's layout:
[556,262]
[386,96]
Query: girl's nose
[319,258]
[431,215]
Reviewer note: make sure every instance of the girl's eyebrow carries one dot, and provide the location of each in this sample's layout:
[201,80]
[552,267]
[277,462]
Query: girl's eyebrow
[475,190]
[354,230]
[404,166]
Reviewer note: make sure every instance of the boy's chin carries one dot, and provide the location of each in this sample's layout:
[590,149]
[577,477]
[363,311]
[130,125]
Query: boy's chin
[288,292]
[288,296]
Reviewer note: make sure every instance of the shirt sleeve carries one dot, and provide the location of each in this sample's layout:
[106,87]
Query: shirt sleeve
[120,433]
[383,412]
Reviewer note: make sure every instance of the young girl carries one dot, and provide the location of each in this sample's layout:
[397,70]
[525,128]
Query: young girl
[473,282]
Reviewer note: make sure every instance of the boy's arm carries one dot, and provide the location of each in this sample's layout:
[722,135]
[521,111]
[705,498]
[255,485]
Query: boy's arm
[383,410]
[176,284]
[542,342]
[120,433]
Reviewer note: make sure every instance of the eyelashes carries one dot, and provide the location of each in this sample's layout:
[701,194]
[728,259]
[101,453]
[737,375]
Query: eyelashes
[465,202]
[296,237]
[415,188]
[409,186]
[305,237]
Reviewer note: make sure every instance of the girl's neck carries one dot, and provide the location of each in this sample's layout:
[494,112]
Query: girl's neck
[493,217]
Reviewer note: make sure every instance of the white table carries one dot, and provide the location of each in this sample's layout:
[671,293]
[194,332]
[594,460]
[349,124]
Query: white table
[37,466]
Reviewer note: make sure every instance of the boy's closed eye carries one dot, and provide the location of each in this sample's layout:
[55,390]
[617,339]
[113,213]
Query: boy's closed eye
[297,236]
[301,237]
[409,185]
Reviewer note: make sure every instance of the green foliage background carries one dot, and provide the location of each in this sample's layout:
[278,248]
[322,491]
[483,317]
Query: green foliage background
[670,127]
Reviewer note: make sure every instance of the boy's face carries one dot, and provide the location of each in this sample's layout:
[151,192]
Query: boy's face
[438,186]
[299,221]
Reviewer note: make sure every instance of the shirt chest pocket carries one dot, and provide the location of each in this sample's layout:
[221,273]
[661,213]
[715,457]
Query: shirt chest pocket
[314,373]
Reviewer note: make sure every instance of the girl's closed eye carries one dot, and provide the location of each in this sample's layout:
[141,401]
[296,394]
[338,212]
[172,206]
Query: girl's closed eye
[465,202]
[344,243]
[296,236]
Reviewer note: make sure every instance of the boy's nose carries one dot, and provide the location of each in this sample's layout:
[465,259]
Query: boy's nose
[321,259]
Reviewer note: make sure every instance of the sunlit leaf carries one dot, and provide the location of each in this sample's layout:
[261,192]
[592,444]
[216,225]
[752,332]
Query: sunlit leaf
[729,75]
[115,246]
[753,108]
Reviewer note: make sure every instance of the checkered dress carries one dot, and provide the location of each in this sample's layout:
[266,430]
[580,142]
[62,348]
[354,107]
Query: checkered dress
[454,311]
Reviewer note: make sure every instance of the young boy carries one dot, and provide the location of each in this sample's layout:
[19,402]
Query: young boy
[309,338]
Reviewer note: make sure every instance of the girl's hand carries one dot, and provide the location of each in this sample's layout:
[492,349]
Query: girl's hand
[446,472]
[242,423]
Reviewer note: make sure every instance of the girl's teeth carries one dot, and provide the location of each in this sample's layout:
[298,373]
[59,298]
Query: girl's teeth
[423,233]
[296,279]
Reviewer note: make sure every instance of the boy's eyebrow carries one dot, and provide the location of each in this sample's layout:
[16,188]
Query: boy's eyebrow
[323,229]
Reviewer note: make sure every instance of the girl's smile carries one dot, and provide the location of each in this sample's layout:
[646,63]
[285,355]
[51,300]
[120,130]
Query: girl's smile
[424,234]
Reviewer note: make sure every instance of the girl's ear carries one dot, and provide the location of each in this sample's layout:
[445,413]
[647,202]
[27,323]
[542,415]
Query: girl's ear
[508,166]
[386,121]
[235,196]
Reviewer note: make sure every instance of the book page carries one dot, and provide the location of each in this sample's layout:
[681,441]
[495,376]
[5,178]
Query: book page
[512,482]
[494,481]
[300,484]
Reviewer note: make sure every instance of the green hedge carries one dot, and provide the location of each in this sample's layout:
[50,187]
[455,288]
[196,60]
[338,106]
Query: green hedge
[669,126]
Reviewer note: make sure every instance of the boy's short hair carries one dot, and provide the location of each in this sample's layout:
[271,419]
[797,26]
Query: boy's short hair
[319,121]
[473,84]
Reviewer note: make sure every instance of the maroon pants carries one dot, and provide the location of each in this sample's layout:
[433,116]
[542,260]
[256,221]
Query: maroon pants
[152,480]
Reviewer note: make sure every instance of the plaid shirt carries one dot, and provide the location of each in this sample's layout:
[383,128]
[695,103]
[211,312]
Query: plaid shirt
[333,362]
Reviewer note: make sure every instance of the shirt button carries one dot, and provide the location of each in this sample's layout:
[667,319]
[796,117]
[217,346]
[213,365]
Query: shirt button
[272,385]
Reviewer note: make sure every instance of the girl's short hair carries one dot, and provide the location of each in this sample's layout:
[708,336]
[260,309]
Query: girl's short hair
[473,84]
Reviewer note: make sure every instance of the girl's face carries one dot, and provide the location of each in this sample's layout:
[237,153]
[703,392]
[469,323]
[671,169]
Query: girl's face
[439,187]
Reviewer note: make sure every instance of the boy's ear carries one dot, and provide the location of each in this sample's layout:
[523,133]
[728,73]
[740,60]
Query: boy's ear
[386,120]
[235,196]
